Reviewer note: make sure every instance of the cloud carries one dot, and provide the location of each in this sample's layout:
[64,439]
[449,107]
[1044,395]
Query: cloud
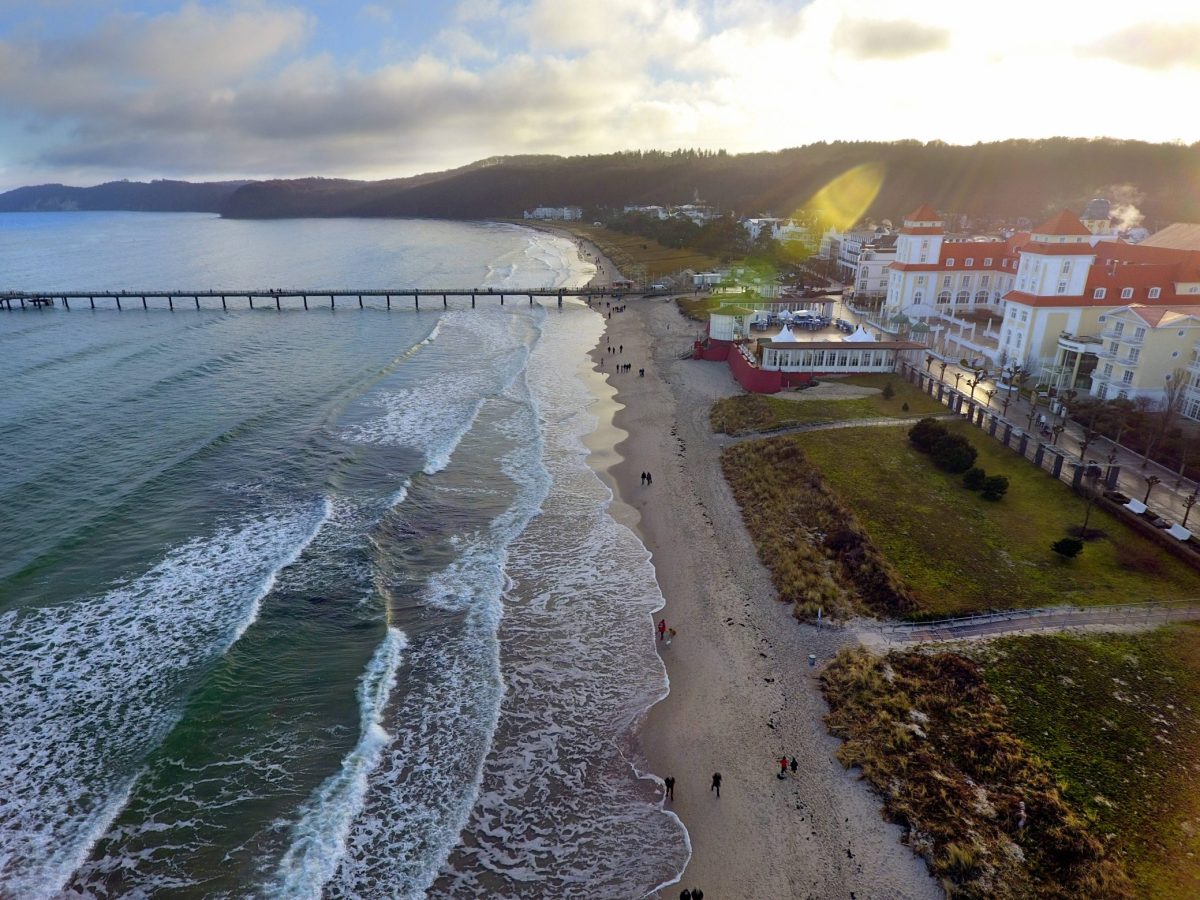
[1151,45]
[892,39]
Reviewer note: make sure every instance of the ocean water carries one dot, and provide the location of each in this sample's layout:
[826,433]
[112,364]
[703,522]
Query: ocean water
[314,603]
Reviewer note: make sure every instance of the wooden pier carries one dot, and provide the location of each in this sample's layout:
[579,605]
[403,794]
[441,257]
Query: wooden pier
[294,297]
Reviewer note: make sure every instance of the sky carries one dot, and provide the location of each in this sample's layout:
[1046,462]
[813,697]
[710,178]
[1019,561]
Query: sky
[95,91]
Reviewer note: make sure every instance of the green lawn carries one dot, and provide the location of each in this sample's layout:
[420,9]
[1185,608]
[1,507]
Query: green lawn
[958,553]
[747,413]
[1118,718]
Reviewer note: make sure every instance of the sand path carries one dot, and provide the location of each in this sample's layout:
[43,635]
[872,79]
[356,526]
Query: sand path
[742,693]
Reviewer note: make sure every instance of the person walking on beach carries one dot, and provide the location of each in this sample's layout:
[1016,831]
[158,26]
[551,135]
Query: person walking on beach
[716,783]
[685,894]
[697,894]
[643,478]
[662,629]
[795,765]
[620,348]
[669,784]
[649,478]
[641,373]
[783,764]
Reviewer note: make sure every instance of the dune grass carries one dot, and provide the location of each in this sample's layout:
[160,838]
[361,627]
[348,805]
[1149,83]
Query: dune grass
[933,738]
[748,413]
[958,553]
[633,254]
[1118,718]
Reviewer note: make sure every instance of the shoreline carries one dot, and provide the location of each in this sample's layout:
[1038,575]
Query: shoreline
[738,692]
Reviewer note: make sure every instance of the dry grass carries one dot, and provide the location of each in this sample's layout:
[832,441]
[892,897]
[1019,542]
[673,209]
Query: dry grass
[936,742]
[633,254]
[817,554]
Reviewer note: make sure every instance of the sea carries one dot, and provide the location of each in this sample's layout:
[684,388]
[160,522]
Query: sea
[314,603]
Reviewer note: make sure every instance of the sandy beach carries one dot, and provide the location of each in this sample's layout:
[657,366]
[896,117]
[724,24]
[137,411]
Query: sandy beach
[741,691]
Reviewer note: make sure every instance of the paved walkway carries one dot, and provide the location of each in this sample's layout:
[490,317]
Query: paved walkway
[1016,621]
[882,422]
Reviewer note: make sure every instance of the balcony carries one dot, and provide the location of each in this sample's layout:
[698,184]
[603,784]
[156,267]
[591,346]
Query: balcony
[1130,362]
[1080,343]
[1112,334]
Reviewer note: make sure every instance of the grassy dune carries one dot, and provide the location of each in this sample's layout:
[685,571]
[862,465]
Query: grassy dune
[958,553]
[747,413]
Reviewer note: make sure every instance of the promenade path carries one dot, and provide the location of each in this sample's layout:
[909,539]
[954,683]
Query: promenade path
[1021,621]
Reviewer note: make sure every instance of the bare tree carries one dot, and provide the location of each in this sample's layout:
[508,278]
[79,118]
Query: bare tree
[1176,383]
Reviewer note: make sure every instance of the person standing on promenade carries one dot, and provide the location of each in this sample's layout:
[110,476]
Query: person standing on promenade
[669,784]
[716,784]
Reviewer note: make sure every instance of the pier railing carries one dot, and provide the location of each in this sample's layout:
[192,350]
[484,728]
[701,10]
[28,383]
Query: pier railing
[276,296]
[1041,619]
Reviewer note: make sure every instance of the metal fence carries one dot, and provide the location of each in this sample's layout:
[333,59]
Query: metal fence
[1041,618]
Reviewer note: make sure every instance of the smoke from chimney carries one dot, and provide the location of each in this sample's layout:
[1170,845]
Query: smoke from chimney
[1124,211]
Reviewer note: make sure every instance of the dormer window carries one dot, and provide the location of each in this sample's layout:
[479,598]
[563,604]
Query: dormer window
[1155,293]
[1126,293]
[949,263]
[970,261]
[987,262]
[1098,293]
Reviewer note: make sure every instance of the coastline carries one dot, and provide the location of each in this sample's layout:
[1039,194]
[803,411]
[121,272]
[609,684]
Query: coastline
[740,694]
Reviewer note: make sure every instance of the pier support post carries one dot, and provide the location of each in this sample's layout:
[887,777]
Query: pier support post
[277,302]
[93,300]
[223,306]
[66,305]
[360,306]
[416,301]
[560,299]
[171,302]
[331,301]
[472,300]
[118,299]
[389,301]
[501,299]
[306,301]
[250,297]
[197,299]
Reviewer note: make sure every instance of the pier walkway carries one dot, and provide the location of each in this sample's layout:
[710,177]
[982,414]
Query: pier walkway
[294,297]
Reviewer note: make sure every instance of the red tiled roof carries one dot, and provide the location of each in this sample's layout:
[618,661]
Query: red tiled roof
[922,229]
[923,213]
[1065,222]
[1043,249]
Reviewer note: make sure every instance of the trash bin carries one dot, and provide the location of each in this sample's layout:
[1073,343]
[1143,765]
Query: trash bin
[812,659]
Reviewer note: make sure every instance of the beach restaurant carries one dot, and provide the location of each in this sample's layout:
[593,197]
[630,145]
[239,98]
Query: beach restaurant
[768,363]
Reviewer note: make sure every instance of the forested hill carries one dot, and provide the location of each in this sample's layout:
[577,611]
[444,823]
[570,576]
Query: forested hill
[139,196]
[1010,179]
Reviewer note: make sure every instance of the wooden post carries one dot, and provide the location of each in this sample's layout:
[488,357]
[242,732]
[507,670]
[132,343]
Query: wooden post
[331,306]
[223,306]
[118,299]
[389,301]
[250,297]
[445,305]
[472,299]
[197,299]
[171,302]
[66,304]
[501,299]
[144,306]
[416,300]
[93,299]
[277,301]
[306,301]
[360,306]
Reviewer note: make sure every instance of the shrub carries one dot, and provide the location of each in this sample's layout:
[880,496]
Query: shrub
[995,487]
[1067,548]
[926,433]
[953,453]
[888,391]
[904,406]
[974,479]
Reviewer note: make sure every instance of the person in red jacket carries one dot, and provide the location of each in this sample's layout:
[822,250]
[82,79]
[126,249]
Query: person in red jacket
[662,628]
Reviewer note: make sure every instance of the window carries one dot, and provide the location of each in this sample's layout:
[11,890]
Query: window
[1140,333]
[984,279]
[925,243]
[1118,327]
[918,296]
[1155,293]
[1108,370]
[1133,356]
[1127,378]
[987,262]
[920,279]
[1024,315]
[966,281]
[1098,293]
[981,296]
[1123,395]
[1126,293]
[969,262]
[1062,287]
[943,297]
[946,281]
[963,297]
[1066,267]
[950,263]
[1103,392]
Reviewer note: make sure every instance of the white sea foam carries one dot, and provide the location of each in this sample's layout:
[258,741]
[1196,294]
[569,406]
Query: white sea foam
[319,838]
[546,260]
[562,809]
[433,416]
[91,686]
